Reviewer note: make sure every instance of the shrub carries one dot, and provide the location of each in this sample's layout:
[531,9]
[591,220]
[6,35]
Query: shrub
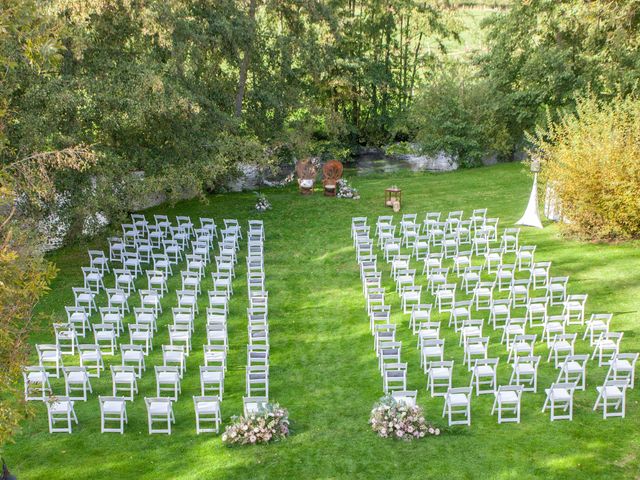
[269,425]
[393,419]
[457,114]
[592,160]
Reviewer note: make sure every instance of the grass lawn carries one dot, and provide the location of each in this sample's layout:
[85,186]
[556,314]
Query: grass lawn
[324,370]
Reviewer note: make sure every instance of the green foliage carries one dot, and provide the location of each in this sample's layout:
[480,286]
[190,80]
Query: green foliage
[456,114]
[591,159]
[543,53]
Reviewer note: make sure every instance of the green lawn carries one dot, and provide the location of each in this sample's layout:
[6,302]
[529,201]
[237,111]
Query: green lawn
[323,368]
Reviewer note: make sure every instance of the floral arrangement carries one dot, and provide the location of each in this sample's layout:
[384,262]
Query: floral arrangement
[262,204]
[347,191]
[393,419]
[268,425]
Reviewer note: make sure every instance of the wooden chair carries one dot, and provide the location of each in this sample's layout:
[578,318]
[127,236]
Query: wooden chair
[306,172]
[331,173]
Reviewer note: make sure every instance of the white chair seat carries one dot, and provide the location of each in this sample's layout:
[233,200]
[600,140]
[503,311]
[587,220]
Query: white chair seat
[610,392]
[212,376]
[475,349]
[168,377]
[104,335]
[562,345]
[560,394]
[124,377]
[525,369]
[507,397]
[572,367]
[440,373]
[484,370]
[159,408]
[36,377]
[77,377]
[113,406]
[132,355]
[50,355]
[207,407]
[431,351]
[501,309]
[621,365]
[61,406]
[458,400]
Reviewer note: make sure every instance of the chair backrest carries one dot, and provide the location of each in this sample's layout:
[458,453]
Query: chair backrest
[332,171]
[305,169]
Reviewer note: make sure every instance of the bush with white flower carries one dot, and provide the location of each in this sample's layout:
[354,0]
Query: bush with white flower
[347,191]
[393,419]
[270,424]
[262,204]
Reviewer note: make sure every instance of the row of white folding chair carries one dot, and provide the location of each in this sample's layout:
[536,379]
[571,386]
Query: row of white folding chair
[113,414]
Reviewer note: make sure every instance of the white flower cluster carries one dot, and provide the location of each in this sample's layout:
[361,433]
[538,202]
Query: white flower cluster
[347,191]
[263,204]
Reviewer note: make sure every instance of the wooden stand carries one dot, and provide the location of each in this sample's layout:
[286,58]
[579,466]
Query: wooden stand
[391,196]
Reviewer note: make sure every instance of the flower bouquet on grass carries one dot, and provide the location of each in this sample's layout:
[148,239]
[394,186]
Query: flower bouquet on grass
[262,204]
[347,191]
[393,419]
[268,425]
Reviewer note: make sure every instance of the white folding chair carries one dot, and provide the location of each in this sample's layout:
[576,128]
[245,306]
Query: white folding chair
[559,399]
[174,356]
[50,358]
[133,356]
[622,367]
[607,347]
[36,384]
[598,323]
[215,356]
[123,379]
[93,279]
[84,298]
[168,380]
[562,346]
[66,338]
[113,409]
[507,400]
[207,410]
[431,349]
[394,377]
[212,381]
[457,401]
[97,259]
[159,410]
[60,410]
[574,370]
[254,405]
[439,375]
[574,309]
[105,337]
[612,395]
[257,380]
[76,379]
[484,375]
[525,373]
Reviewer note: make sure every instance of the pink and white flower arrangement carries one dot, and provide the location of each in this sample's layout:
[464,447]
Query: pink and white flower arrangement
[268,425]
[393,419]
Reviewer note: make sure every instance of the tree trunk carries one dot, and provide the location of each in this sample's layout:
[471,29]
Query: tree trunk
[244,64]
